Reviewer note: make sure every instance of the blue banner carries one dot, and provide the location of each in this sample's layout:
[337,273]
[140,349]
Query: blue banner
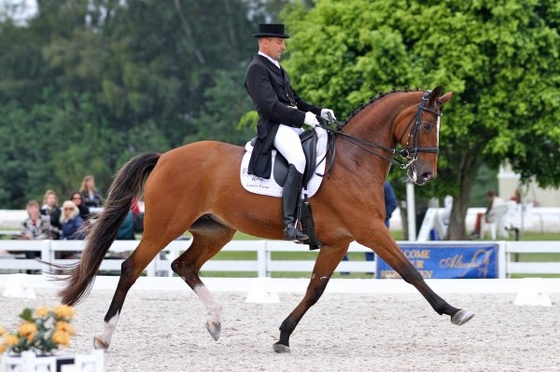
[446,261]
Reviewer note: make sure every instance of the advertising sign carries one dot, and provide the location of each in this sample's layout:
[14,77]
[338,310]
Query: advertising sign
[447,261]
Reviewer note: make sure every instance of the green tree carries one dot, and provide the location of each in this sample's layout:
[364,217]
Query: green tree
[498,56]
[87,84]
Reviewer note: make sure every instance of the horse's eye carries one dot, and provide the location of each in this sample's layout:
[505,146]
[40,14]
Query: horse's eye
[426,126]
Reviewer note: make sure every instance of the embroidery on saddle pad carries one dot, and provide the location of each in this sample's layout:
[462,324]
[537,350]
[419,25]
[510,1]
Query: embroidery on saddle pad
[268,186]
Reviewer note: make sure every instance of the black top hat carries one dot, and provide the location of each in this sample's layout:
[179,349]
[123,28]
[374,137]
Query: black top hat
[271,30]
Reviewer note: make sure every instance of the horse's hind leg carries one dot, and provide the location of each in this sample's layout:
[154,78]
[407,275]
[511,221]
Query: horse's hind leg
[131,269]
[209,237]
[327,260]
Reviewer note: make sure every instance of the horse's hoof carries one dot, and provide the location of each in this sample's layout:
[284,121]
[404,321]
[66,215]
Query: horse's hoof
[279,348]
[99,344]
[461,317]
[214,328]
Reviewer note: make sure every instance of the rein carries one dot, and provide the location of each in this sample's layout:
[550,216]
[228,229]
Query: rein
[409,153]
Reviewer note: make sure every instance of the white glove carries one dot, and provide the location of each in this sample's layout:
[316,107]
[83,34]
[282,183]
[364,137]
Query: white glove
[310,119]
[325,114]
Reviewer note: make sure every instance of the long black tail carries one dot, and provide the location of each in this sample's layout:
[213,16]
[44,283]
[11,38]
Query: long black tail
[128,184]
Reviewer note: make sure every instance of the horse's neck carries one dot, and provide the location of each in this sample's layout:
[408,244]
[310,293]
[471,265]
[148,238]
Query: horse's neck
[375,124]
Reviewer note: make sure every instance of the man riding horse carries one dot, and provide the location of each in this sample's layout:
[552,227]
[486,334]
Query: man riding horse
[282,113]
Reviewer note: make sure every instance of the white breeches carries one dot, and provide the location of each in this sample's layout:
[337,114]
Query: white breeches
[288,143]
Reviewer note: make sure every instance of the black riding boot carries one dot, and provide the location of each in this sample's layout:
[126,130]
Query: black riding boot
[290,198]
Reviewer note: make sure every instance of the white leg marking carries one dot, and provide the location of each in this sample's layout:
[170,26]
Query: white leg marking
[108,329]
[214,307]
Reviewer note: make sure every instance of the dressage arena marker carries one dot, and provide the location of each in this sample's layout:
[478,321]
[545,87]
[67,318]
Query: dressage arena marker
[531,292]
[18,286]
[259,291]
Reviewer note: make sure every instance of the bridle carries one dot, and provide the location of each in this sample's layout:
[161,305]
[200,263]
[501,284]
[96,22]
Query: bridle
[410,151]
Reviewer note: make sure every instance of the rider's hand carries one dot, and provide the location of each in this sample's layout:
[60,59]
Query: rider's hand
[325,114]
[310,119]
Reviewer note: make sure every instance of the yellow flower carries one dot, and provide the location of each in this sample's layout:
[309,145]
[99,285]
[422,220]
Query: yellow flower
[42,311]
[28,330]
[2,349]
[2,331]
[65,327]
[61,338]
[10,340]
[64,311]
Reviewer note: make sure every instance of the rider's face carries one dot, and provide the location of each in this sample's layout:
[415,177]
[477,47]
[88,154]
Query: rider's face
[273,47]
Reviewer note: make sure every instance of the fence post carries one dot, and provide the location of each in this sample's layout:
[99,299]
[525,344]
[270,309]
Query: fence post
[503,258]
[47,253]
[262,259]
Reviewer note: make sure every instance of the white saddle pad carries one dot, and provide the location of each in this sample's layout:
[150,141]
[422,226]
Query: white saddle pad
[268,186]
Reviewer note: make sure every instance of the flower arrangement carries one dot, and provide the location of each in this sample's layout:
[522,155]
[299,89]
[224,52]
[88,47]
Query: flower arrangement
[42,331]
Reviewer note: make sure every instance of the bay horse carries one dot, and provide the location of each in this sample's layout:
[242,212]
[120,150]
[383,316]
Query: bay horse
[196,187]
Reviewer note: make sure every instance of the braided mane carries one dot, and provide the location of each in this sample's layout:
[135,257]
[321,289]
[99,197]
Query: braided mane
[372,99]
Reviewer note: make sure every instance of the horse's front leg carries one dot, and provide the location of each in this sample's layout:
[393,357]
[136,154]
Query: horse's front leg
[386,248]
[327,260]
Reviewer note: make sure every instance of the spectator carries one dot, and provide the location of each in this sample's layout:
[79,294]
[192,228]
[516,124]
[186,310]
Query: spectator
[493,201]
[35,227]
[132,223]
[92,196]
[78,199]
[50,208]
[138,214]
[71,221]
[516,197]
[126,231]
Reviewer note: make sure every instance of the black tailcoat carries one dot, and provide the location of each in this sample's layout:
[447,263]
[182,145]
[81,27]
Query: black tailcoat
[277,103]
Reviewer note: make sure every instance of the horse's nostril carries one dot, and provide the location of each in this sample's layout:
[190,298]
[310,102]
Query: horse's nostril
[428,176]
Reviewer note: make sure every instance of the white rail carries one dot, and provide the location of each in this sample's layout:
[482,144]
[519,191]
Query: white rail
[264,262]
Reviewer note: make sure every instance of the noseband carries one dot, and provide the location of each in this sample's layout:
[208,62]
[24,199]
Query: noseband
[411,149]
[409,153]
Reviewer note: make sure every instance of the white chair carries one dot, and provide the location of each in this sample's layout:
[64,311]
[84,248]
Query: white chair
[500,219]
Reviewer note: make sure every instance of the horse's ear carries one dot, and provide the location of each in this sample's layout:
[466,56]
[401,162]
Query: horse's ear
[436,92]
[437,98]
[434,95]
[445,98]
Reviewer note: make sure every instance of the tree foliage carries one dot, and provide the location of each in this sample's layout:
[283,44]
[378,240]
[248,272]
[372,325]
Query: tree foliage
[498,56]
[87,84]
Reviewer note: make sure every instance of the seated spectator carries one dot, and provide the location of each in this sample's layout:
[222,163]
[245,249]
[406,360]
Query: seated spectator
[92,196]
[71,221]
[50,208]
[138,215]
[132,223]
[78,199]
[126,231]
[493,201]
[35,227]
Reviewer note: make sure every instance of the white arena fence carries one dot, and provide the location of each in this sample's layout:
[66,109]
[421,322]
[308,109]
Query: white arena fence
[264,263]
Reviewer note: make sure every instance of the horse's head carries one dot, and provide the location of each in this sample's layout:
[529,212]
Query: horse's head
[417,130]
